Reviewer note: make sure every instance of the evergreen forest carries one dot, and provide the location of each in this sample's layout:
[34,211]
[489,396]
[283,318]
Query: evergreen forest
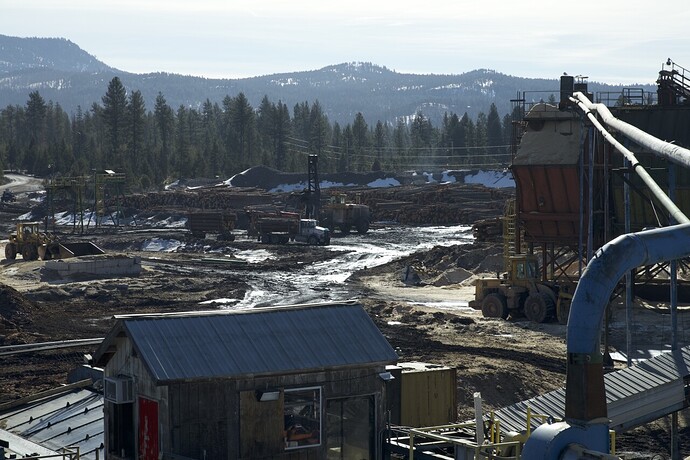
[156,145]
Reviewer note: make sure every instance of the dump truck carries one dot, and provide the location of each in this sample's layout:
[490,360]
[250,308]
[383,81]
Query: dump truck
[219,223]
[31,244]
[520,292]
[284,228]
[344,215]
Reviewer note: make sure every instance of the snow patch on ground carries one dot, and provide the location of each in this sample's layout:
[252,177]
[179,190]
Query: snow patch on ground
[161,245]
[491,179]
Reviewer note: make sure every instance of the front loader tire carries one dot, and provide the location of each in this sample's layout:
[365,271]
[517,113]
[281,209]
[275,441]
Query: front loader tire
[539,307]
[29,252]
[495,305]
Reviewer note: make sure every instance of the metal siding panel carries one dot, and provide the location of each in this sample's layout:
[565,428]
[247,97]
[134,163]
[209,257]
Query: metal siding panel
[61,416]
[557,188]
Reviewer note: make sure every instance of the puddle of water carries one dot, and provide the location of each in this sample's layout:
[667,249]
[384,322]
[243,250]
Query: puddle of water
[326,280]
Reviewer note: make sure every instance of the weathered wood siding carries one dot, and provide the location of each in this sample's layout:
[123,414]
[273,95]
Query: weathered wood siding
[125,362]
[222,419]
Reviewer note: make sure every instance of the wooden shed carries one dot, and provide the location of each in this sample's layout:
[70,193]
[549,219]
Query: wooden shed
[299,382]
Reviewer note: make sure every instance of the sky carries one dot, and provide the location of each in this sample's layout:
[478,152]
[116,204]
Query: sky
[609,41]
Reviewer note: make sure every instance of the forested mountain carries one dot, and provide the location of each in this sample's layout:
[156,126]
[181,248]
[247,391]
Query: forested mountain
[22,54]
[64,113]
[70,77]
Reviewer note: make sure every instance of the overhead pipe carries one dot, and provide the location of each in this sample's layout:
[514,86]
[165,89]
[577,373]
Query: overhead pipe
[636,135]
[668,150]
[586,415]
[586,420]
[585,394]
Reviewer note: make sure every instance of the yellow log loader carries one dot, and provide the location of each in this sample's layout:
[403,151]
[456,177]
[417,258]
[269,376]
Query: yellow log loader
[521,292]
[29,242]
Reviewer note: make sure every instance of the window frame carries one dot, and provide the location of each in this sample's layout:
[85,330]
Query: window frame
[286,394]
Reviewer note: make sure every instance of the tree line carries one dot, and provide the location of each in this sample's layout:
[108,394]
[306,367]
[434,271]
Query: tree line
[154,147]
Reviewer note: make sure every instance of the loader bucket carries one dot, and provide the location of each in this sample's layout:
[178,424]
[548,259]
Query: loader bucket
[79,249]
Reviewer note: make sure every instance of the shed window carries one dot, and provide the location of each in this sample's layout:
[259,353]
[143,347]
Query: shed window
[302,415]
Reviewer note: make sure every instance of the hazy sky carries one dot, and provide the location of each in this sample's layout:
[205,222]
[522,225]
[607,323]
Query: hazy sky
[612,41]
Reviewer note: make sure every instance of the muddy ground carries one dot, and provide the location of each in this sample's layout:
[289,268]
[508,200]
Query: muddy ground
[506,361]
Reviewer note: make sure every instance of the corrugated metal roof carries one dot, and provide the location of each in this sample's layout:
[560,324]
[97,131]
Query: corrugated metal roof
[261,341]
[634,396]
[74,418]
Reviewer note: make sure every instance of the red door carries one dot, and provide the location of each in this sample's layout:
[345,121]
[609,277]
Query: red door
[148,429]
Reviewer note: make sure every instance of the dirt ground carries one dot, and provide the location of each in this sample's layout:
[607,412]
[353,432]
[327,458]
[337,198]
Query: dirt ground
[507,361]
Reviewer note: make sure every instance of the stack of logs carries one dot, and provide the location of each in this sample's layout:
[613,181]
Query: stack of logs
[201,198]
[488,230]
[431,204]
[441,204]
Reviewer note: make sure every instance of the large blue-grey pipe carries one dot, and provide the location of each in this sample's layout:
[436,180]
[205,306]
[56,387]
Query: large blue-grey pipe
[586,424]
[585,395]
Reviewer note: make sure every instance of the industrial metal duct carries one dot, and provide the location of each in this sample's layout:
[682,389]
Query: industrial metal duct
[586,425]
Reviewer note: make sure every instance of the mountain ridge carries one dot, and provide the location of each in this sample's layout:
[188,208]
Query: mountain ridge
[67,75]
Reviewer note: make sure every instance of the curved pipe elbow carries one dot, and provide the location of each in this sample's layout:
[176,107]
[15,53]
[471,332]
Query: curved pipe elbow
[607,267]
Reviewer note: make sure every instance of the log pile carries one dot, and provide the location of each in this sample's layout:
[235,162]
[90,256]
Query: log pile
[488,230]
[201,198]
[430,204]
[443,204]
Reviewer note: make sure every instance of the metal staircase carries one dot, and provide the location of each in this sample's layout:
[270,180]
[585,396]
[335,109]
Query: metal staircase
[673,84]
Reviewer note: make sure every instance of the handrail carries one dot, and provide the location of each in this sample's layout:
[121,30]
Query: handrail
[478,448]
[678,78]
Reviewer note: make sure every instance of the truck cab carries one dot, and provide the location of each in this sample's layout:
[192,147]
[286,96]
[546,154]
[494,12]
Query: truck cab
[310,232]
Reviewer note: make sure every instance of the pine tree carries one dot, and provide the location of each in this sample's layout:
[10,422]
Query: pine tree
[282,131]
[318,130]
[360,138]
[136,124]
[165,121]
[379,143]
[243,122]
[115,119]
[494,135]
